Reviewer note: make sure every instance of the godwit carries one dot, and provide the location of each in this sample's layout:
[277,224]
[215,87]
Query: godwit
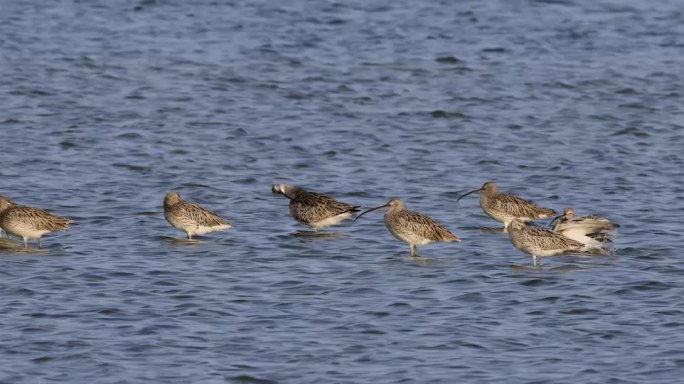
[540,242]
[28,222]
[590,230]
[505,207]
[191,218]
[313,209]
[412,227]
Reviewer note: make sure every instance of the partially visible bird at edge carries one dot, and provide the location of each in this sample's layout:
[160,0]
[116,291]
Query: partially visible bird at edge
[4,202]
[28,222]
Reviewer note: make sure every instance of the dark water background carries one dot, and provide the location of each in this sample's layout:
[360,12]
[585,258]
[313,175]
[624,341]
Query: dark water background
[107,105]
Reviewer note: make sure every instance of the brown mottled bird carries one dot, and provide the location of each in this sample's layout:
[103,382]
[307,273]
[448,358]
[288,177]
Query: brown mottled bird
[28,222]
[412,227]
[540,242]
[191,218]
[505,207]
[316,210]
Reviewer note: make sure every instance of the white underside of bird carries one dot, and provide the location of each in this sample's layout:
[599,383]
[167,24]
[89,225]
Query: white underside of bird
[330,221]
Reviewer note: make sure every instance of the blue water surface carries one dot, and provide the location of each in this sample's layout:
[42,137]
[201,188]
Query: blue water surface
[105,106]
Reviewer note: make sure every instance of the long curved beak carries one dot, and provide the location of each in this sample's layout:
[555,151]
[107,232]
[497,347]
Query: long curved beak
[556,219]
[468,193]
[369,210]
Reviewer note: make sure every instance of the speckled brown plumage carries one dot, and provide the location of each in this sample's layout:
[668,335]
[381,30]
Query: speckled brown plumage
[540,242]
[505,207]
[418,224]
[31,223]
[413,227]
[314,209]
[191,218]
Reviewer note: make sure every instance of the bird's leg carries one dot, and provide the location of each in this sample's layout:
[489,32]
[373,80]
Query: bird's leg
[414,250]
[189,236]
[40,243]
[25,243]
[534,261]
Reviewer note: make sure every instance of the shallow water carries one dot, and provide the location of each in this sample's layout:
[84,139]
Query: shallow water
[106,106]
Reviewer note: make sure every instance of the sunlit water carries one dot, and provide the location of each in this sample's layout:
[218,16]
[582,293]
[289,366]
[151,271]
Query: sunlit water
[106,106]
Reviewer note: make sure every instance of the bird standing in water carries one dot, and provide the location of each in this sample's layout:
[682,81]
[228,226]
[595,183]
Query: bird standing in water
[28,222]
[412,227]
[191,218]
[315,210]
[505,207]
[540,242]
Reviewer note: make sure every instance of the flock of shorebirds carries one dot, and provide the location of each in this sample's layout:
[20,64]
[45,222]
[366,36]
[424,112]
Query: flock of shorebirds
[567,234]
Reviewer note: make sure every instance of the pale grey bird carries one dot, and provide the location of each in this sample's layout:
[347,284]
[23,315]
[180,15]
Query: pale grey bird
[29,223]
[412,227]
[191,218]
[505,207]
[316,210]
[585,229]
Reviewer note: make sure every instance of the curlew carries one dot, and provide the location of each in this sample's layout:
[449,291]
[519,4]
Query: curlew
[29,223]
[412,227]
[591,230]
[316,210]
[505,207]
[540,242]
[191,218]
